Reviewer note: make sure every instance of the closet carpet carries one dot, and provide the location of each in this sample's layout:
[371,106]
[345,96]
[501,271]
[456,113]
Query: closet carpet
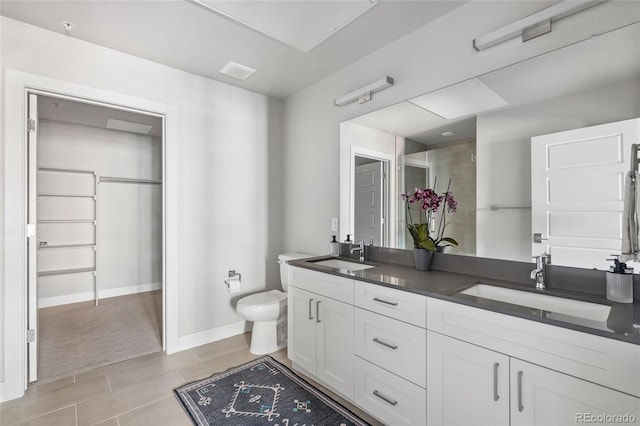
[81,336]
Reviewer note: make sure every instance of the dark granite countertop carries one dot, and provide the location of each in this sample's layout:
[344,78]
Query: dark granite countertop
[622,324]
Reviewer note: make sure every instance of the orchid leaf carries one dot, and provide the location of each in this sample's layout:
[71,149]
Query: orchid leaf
[449,240]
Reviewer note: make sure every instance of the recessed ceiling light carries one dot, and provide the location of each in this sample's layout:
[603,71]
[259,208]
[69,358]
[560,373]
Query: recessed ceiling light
[236,70]
[68,26]
[447,134]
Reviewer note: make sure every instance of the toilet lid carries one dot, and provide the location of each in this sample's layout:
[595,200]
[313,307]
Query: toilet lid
[264,298]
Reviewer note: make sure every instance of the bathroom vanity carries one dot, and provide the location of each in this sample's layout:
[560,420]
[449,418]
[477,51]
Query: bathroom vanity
[437,348]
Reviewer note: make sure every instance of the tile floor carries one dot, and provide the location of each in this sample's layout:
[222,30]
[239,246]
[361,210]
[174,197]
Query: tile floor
[134,392]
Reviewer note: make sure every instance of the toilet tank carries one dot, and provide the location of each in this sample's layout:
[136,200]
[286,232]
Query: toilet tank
[282,260]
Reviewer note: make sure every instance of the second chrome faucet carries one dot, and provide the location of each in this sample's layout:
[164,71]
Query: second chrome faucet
[539,274]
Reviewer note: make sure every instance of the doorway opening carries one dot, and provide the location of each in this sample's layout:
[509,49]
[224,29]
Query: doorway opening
[371,203]
[96,252]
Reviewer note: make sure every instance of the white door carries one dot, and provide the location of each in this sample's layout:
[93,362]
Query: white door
[335,344]
[369,203]
[301,328]
[577,187]
[32,240]
[545,397]
[466,384]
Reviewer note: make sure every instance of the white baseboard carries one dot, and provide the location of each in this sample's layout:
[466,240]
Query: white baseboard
[192,340]
[103,294]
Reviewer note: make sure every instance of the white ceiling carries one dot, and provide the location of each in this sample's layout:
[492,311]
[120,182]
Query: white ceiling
[189,36]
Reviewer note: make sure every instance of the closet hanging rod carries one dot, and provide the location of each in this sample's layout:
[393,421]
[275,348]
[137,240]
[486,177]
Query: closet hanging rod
[128,180]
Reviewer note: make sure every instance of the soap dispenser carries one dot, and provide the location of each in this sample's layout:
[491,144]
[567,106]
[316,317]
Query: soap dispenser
[619,281]
[334,247]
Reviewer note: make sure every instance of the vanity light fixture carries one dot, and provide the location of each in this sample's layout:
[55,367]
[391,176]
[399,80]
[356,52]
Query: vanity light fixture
[533,25]
[364,94]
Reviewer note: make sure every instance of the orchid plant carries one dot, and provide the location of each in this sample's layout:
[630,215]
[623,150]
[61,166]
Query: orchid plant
[424,234]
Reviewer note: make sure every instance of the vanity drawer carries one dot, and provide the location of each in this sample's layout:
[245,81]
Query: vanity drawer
[391,344]
[386,396]
[332,286]
[402,305]
[597,359]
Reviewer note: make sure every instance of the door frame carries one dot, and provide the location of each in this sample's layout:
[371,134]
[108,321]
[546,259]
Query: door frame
[389,203]
[14,284]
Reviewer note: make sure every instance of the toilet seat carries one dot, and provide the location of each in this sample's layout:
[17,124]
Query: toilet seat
[263,301]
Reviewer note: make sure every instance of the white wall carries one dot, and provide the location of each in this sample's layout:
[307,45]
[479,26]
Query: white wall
[129,231]
[429,58]
[504,159]
[229,189]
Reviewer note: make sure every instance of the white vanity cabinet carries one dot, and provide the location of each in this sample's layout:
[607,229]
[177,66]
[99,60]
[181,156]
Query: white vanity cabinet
[541,396]
[467,384]
[486,368]
[390,354]
[320,328]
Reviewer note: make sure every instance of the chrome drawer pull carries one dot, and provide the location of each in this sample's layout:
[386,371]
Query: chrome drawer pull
[310,314]
[389,345]
[495,381]
[520,406]
[385,301]
[318,311]
[385,399]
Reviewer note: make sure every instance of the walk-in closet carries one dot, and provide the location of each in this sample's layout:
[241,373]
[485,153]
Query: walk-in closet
[99,216]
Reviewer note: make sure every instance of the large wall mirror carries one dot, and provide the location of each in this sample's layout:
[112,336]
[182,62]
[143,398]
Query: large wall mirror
[476,137]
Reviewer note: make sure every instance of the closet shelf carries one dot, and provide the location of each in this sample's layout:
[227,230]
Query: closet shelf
[65,271]
[60,246]
[68,195]
[106,179]
[66,221]
[53,169]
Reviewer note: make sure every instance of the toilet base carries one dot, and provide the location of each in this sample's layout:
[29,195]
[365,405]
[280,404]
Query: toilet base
[268,337]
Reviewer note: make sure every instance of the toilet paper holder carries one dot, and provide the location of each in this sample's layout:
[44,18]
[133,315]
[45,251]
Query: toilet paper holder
[232,276]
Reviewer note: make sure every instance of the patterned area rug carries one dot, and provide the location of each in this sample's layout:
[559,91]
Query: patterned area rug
[261,392]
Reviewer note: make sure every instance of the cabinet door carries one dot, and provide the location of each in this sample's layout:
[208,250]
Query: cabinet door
[301,328]
[466,384]
[335,345]
[545,397]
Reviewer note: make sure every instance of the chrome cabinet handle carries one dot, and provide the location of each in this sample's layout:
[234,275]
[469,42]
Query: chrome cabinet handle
[318,311]
[389,345]
[520,406]
[495,381]
[385,398]
[310,314]
[385,301]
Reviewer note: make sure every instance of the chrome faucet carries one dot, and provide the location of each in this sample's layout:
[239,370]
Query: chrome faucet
[360,249]
[538,274]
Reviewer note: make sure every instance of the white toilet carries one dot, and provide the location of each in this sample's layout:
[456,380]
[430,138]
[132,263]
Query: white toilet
[268,311]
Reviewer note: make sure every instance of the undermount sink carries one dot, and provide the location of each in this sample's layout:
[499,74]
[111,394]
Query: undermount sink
[560,305]
[344,264]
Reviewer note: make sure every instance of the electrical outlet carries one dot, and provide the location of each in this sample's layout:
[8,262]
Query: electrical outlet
[334,224]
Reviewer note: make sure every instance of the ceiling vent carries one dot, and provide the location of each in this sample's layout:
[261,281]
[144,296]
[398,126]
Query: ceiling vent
[236,70]
[128,126]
